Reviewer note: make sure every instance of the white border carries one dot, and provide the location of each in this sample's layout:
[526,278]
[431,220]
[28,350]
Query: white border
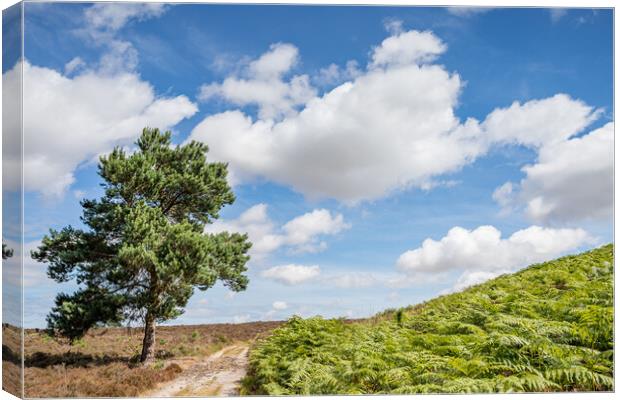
[459,3]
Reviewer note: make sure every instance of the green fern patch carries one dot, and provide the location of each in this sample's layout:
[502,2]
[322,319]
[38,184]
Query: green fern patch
[546,328]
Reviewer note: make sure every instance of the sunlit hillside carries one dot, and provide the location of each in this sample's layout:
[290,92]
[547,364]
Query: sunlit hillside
[548,327]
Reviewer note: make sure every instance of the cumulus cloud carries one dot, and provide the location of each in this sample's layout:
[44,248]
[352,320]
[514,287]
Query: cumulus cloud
[503,195]
[74,65]
[378,132]
[539,122]
[257,224]
[334,74]
[276,308]
[11,136]
[301,234]
[406,48]
[279,305]
[483,248]
[292,274]
[393,26]
[304,229]
[67,121]
[471,278]
[572,180]
[280,58]
[72,117]
[391,127]
[263,84]
[482,253]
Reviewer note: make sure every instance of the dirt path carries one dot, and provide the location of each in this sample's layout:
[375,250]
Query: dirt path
[216,375]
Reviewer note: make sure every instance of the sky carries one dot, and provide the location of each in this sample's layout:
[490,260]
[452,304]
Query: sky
[380,156]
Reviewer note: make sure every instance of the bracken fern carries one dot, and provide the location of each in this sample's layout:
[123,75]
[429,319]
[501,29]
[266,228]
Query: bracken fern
[546,328]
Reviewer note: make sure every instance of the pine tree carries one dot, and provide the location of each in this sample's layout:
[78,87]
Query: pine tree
[144,250]
[6,252]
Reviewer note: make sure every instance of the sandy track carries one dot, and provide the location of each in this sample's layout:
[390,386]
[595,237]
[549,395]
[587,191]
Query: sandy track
[216,375]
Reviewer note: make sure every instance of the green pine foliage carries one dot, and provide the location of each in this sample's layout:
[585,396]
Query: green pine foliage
[546,328]
[6,252]
[143,251]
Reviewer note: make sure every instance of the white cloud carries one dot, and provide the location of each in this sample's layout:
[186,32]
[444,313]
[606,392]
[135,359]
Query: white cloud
[301,234]
[471,278]
[379,132]
[279,305]
[120,57]
[257,224]
[394,26]
[556,14]
[390,128]
[406,48]
[483,250]
[467,11]
[333,74]
[303,229]
[292,274]
[74,65]
[67,121]
[503,195]
[11,132]
[111,17]
[264,84]
[101,26]
[571,181]
[539,122]
[280,58]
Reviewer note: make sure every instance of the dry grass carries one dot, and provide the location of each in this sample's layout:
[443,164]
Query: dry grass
[11,378]
[116,379]
[102,364]
[11,360]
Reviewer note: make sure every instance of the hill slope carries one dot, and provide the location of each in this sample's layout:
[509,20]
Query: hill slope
[548,327]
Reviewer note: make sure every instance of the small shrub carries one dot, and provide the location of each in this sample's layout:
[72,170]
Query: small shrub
[399,317]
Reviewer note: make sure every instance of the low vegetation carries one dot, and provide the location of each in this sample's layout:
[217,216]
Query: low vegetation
[11,360]
[546,328]
[104,363]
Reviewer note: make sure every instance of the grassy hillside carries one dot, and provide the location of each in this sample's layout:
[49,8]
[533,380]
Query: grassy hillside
[548,327]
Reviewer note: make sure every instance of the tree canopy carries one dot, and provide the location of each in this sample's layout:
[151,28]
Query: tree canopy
[143,250]
[6,252]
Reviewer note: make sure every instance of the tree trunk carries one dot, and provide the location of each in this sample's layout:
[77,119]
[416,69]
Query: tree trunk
[148,344]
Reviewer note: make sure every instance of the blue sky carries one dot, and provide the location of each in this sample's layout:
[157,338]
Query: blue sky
[380,155]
